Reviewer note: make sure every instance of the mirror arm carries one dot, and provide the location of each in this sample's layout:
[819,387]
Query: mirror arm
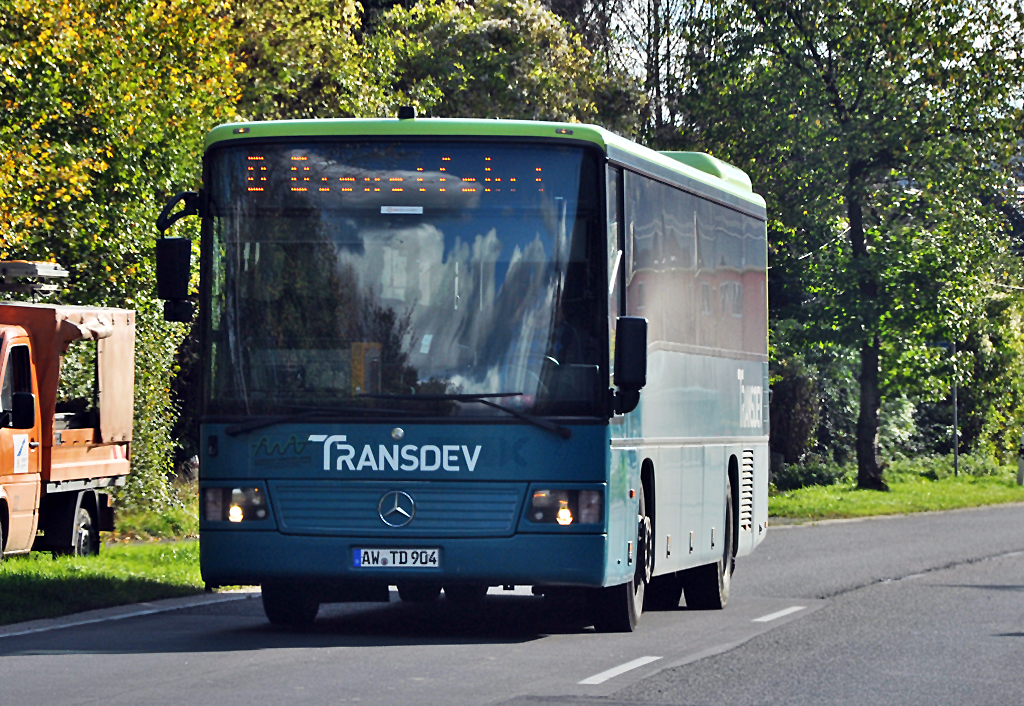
[194,205]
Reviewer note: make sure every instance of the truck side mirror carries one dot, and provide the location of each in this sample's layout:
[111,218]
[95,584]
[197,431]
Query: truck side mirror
[23,410]
[173,273]
[630,361]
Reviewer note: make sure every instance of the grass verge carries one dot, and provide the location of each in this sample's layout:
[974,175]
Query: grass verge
[41,586]
[914,486]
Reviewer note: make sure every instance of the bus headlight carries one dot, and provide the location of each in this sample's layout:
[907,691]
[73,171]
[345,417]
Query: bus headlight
[567,507]
[234,504]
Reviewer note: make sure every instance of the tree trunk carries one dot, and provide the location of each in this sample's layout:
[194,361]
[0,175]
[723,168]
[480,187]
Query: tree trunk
[869,470]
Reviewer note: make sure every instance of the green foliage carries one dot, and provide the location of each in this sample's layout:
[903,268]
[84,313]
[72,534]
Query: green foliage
[878,131]
[939,467]
[302,60]
[916,485]
[176,519]
[813,470]
[40,586]
[795,407]
[105,106]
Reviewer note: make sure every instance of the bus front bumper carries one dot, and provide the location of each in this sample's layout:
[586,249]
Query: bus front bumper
[255,557]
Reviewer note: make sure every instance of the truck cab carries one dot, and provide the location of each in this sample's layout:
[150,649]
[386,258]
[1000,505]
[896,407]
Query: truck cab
[55,456]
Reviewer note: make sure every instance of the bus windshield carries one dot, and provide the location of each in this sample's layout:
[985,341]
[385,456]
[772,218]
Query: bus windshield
[367,273]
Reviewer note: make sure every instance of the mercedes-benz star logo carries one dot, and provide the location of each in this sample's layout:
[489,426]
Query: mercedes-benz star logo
[396,509]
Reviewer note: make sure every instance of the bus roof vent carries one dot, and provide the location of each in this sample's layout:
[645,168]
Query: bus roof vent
[715,167]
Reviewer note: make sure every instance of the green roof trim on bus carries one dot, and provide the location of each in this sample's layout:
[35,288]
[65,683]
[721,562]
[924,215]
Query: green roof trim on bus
[713,166]
[694,165]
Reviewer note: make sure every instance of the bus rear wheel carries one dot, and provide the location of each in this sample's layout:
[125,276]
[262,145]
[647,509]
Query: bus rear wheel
[618,608]
[707,587]
[288,605]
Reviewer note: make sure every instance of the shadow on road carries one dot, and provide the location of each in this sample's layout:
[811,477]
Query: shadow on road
[241,626]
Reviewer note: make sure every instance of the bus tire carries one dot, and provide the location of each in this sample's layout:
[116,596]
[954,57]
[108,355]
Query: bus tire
[664,592]
[419,592]
[618,608]
[287,605]
[466,593]
[707,587]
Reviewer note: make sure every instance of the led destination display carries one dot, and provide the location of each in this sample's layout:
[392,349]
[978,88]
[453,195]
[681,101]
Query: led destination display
[436,180]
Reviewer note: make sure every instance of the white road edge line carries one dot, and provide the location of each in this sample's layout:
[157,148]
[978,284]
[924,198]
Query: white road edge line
[779,614]
[218,598]
[621,669]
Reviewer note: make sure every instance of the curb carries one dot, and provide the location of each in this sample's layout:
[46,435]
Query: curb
[122,612]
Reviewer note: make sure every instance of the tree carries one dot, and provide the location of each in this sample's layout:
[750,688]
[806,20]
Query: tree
[105,106]
[878,129]
[495,59]
[302,60]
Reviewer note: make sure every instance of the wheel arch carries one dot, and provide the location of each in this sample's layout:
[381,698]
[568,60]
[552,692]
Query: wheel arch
[88,501]
[5,521]
[734,499]
[647,483]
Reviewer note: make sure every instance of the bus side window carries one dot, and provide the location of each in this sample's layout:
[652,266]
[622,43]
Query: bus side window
[616,259]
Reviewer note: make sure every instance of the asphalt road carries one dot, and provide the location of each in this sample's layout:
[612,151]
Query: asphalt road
[905,610]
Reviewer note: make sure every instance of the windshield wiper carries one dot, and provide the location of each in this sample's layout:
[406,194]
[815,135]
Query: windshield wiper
[546,424]
[263,422]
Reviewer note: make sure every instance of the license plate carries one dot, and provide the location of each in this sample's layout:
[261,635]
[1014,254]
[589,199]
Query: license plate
[396,558]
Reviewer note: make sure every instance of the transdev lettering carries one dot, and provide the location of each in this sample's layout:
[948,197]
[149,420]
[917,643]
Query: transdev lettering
[340,456]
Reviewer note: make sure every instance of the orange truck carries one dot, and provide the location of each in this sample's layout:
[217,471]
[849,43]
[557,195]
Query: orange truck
[56,456]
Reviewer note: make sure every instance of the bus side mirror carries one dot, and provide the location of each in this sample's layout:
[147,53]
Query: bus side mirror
[630,362]
[23,410]
[173,273]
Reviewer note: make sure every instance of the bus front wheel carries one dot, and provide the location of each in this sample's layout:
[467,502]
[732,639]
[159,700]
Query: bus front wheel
[287,605]
[618,608]
[466,593]
[419,592]
[707,587]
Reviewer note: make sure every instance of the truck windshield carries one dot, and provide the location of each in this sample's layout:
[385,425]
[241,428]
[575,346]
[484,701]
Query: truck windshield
[372,273]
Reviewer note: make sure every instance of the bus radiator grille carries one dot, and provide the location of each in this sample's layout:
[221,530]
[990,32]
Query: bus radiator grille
[747,489]
[351,508]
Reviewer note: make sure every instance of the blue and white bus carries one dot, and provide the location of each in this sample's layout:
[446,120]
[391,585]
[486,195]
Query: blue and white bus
[456,354]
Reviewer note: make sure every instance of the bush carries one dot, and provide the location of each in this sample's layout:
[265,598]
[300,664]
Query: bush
[814,470]
[937,467]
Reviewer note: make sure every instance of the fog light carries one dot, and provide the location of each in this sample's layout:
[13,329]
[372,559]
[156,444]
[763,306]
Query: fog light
[234,504]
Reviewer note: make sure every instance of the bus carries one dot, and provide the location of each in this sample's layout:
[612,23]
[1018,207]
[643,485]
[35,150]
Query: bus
[452,355]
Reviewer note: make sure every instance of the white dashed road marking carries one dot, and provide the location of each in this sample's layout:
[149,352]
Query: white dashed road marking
[780,614]
[621,669]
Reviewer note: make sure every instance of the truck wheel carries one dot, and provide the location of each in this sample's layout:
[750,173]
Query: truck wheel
[1,541]
[86,538]
[287,605]
[707,587]
[618,608]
